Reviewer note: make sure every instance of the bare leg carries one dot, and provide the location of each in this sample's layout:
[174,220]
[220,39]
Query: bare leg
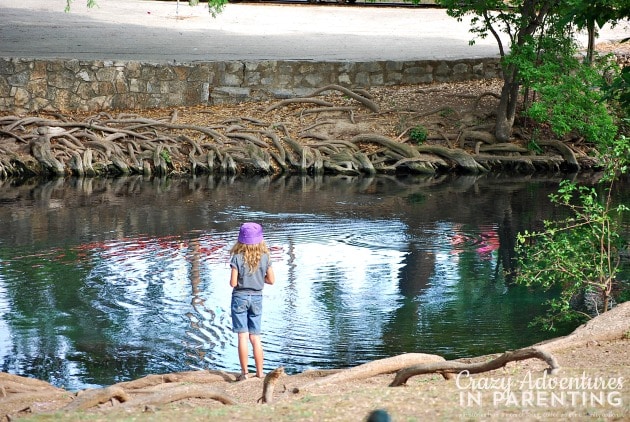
[258,353]
[243,352]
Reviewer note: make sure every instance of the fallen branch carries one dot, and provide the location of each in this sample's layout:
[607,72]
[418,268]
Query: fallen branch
[448,368]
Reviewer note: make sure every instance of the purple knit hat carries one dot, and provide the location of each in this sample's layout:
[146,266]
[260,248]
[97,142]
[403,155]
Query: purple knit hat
[250,234]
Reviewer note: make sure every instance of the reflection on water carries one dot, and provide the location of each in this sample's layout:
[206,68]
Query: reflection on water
[106,281]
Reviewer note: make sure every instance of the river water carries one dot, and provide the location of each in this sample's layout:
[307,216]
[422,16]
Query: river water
[103,281]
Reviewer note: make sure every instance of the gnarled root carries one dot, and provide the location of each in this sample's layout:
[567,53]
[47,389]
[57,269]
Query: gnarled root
[464,160]
[370,369]
[448,368]
[89,398]
[42,151]
[102,145]
[566,152]
[371,105]
[180,392]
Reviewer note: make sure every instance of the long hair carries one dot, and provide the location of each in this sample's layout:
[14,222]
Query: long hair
[251,253]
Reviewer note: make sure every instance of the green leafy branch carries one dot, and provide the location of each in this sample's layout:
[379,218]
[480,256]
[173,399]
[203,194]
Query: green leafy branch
[579,255]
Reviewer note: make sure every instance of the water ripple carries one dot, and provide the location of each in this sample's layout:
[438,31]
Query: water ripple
[372,273]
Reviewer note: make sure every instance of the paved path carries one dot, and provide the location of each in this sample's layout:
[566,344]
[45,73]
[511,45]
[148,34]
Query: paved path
[163,31]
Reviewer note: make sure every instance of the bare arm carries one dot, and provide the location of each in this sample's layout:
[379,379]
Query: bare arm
[234,277]
[270,277]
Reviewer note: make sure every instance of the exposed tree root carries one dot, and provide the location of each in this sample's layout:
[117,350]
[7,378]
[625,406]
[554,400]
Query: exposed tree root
[201,377]
[21,392]
[180,392]
[371,369]
[10,383]
[104,145]
[481,96]
[27,403]
[474,135]
[298,100]
[464,160]
[445,110]
[448,368]
[611,325]
[42,151]
[371,105]
[566,152]
[527,164]
[89,398]
[22,395]
[502,148]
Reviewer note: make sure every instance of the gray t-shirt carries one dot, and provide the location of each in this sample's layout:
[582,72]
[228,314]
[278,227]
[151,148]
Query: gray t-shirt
[248,282]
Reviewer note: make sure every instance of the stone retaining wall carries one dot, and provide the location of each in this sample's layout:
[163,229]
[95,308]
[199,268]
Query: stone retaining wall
[75,85]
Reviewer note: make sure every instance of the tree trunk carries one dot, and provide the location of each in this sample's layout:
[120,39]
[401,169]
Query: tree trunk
[506,110]
[590,50]
[533,13]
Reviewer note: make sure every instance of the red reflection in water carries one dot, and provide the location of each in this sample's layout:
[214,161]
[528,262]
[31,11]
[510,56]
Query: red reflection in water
[206,248]
[484,245]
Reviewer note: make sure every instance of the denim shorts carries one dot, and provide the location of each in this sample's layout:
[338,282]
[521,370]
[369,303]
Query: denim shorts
[246,313]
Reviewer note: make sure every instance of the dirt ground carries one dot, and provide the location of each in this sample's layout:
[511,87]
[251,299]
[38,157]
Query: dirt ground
[591,385]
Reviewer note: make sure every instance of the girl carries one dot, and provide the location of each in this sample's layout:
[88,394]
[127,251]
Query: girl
[251,269]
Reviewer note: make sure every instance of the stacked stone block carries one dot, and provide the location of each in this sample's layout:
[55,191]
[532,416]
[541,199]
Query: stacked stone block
[76,85]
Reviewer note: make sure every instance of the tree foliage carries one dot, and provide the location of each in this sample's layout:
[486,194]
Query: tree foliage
[519,22]
[618,91]
[214,6]
[591,15]
[90,4]
[578,256]
[562,91]
[527,34]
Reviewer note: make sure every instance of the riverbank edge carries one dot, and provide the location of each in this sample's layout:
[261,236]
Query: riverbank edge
[606,336]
